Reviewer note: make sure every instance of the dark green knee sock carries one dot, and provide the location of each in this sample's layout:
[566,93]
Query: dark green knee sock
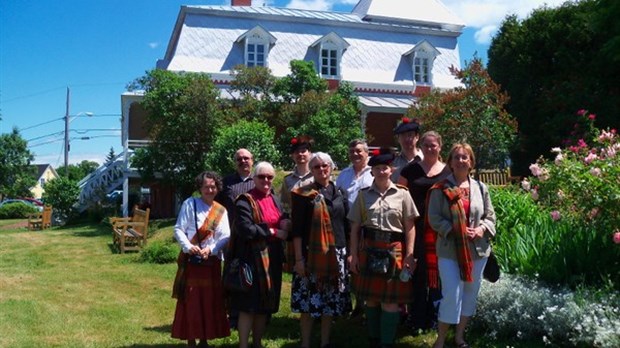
[373,317]
[389,324]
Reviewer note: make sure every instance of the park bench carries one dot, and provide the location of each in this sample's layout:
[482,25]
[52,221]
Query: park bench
[495,177]
[40,220]
[130,233]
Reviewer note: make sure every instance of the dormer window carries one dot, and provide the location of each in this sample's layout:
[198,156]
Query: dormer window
[422,58]
[257,43]
[331,48]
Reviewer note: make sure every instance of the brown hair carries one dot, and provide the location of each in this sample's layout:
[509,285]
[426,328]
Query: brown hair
[200,179]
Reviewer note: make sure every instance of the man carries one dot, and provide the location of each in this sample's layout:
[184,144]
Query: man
[356,176]
[237,183]
[407,133]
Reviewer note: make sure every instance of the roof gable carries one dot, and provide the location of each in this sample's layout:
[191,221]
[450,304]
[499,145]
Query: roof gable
[413,11]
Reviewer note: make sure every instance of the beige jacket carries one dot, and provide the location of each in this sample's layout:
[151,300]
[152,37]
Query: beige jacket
[481,213]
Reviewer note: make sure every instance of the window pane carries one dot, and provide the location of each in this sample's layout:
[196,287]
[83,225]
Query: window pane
[260,48]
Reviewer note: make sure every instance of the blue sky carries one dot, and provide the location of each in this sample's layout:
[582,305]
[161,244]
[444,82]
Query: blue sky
[96,47]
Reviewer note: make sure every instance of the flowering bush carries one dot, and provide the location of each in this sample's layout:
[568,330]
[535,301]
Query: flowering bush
[582,186]
[526,310]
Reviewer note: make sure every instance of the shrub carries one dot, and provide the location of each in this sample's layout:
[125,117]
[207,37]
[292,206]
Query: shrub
[17,210]
[62,193]
[160,252]
[524,309]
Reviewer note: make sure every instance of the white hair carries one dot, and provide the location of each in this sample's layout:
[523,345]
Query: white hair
[263,167]
[323,157]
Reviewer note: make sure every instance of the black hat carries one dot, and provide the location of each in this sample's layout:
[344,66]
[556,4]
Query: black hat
[301,142]
[381,156]
[407,125]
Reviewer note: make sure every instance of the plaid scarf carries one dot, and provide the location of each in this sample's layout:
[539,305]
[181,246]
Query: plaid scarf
[459,227]
[322,260]
[261,256]
[205,231]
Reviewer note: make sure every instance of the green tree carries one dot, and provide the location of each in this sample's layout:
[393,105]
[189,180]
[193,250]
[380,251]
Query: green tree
[183,110]
[111,155]
[473,113]
[255,136]
[78,171]
[553,63]
[17,175]
[62,193]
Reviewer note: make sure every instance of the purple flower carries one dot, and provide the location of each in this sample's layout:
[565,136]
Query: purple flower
[555,215]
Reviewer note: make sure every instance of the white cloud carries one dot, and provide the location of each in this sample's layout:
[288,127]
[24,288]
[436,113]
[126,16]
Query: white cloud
[153,44]
[317,5]
[487,15]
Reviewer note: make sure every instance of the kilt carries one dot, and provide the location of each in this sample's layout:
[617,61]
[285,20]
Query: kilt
[380,288]
[201,314]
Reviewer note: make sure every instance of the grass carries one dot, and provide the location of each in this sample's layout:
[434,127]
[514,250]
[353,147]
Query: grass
[67,287]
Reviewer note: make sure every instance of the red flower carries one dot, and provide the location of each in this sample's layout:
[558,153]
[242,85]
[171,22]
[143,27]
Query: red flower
[375,152]
[293,141]
[406,120]
[581,112]
[592,117]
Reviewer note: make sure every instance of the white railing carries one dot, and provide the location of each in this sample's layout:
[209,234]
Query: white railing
[102,181]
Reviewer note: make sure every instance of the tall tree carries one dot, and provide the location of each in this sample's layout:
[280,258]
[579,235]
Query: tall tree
[474,113]
[111,155]
[182,112]
[78,171]
[553,63]
[17,175]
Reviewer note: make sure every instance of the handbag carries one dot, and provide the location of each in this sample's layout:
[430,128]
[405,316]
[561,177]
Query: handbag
[238,276]
[491,269]
[380,262]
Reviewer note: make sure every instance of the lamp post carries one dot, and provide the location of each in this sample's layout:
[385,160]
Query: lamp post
[69,118]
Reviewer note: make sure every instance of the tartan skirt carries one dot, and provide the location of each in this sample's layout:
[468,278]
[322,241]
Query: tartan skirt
[201,313]
[378,287]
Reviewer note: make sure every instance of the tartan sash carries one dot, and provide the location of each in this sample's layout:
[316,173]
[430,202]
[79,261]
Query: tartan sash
[459,228]
[260,252]
[205,231]
[322,260]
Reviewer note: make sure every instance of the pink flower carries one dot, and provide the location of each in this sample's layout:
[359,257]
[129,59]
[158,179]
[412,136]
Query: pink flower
[555,215]
[574,149]
[595,171]
[581,112]
[582,143]
[535,194]
[525,184]
[558,159]
[592,117]
[617,237]
[535,169]
[589,158]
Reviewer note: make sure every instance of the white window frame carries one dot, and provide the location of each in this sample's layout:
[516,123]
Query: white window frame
[331,62]
[423,57]
[252,40]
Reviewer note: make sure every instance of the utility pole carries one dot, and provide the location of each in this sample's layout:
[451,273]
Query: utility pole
[67,135]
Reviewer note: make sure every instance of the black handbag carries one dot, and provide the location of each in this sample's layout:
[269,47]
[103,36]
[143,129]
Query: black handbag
[380,262]
[491,270]
[238,276]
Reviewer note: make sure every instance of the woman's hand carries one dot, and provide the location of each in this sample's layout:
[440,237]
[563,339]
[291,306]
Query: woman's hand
[205,253]
[300,268]
[353,264]
[475,232]
[410,263]
[194,250]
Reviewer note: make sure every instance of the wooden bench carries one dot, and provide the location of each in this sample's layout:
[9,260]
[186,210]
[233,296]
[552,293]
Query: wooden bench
[130,233]
[494,177]
[41,220]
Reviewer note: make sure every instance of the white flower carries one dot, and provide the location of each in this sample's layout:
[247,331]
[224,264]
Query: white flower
[525,184]
[595,171]
[556,150]
[558,159]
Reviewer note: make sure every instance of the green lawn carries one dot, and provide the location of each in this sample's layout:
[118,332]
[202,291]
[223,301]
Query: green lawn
[67,287]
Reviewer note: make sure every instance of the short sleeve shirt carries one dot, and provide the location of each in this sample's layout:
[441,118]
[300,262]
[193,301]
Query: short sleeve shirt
[352,184]
[387,212]
[293,181]
[400,162]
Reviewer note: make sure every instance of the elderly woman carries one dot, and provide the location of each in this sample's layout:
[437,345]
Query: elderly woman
[202,231]
[462,219]
[382,242]
[257,240]
[320,281]
[418,177]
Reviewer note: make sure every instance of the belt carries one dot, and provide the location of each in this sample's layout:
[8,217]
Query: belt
[383,236]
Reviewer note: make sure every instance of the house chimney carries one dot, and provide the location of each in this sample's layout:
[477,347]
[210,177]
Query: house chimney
[241,2]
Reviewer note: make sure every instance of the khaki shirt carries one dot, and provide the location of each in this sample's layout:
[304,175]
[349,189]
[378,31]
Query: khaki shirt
[387,212]
[290,182]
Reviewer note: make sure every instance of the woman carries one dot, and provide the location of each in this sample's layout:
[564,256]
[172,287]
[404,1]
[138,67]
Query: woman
[320,281]
[202,231]
[259,232]
[462,219]
[418,177]
[300,176]
[386,213]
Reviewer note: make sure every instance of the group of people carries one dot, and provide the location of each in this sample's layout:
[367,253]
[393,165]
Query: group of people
[405,231]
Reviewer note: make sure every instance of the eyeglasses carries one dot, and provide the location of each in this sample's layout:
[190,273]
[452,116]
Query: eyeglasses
[320,166]
[241,159]
[264,177]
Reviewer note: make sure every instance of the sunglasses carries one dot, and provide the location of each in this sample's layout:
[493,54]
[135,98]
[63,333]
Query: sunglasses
[264,177]
[321,166]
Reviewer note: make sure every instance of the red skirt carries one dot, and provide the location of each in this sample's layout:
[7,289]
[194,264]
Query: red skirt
[201,314]
[379,288]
